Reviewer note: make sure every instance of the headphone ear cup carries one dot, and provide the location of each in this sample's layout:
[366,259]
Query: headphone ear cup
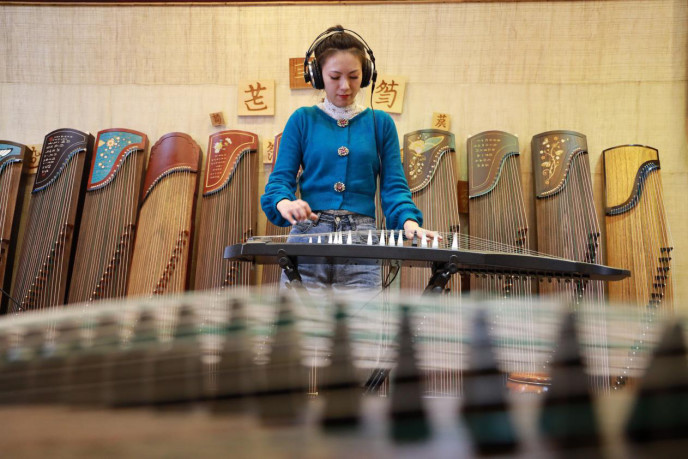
[366,73]
[316,75]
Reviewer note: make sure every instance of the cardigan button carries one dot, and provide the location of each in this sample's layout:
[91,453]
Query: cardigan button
[342,151]
[343,122]
[339,187]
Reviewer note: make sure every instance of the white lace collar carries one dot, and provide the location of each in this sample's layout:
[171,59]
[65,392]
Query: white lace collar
[339,113]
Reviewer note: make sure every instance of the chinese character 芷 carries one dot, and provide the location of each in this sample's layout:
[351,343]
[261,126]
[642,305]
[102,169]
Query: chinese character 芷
[255,103]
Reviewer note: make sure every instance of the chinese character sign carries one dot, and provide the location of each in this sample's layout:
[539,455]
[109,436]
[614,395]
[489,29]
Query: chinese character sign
[389,92]
[256,98]
[268,151]
[441,121]
[296,80]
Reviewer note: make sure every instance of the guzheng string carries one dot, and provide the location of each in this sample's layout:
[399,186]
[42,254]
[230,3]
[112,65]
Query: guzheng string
[175,349]
[228,216]
[53,213]
[161,253]
[639,239]
[12,157]
[567,226]
[227,213]
[108,227]
[497,214]
[429,165]
[270,275]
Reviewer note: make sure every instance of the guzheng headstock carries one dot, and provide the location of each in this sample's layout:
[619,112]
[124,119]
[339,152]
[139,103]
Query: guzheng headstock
[12,152]
[112,148]
[225,150]
[552,154]
[487,152]
[173,152]
[423,150]
[59,147]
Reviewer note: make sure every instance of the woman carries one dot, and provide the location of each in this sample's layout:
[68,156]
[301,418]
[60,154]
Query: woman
[342,148]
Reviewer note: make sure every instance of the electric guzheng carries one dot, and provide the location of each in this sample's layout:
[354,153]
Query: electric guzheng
[444,261]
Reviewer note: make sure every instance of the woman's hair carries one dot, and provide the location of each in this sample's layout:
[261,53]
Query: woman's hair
[340,41]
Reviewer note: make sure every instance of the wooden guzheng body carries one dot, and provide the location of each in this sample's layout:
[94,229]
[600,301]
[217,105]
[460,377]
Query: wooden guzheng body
[160,262]
[567,223]
[179,359]
[498,219]
[14,157]
[497,209]
[429,165]
[42,274]
[638,238]
[108,225]
[228,208]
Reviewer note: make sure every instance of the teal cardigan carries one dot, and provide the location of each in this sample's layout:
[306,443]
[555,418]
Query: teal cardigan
[340,178]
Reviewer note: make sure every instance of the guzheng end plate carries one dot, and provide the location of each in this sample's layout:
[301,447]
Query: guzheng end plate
[422,153]
[552,154]
[486,154]
[225,150]
[59,146]
[467,261]
[112,147]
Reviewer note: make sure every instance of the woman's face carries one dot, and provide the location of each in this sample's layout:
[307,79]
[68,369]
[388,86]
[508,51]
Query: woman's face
[342,76]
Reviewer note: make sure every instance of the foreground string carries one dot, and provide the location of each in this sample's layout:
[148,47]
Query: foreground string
[567,227]
[638,239]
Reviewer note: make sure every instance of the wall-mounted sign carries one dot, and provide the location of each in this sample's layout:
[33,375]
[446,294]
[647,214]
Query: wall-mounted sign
[296,80]
[256,98]
[389,93]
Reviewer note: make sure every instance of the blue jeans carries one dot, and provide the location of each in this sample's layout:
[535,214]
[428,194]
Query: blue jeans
[318,277]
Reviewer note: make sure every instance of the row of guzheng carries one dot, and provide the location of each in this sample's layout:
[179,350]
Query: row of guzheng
[106,219]
[247,356]
[638,237]
[116,193]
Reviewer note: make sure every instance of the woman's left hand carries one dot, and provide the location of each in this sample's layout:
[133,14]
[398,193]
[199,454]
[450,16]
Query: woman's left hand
[412,228]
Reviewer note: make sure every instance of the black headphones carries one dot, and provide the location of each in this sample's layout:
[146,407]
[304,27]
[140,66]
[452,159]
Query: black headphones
[312,73]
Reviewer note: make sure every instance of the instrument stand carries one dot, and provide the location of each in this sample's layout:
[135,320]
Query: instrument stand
[441,275]
[290,268]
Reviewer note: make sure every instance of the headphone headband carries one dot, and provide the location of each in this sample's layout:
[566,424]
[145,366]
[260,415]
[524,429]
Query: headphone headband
[313,74]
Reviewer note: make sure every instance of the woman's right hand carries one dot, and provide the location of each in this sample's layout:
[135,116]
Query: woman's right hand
[295,211]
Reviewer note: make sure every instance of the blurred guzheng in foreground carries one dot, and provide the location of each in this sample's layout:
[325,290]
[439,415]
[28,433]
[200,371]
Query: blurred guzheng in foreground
[231,370]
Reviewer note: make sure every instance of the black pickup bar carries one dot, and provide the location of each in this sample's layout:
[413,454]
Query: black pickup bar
[466,261]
